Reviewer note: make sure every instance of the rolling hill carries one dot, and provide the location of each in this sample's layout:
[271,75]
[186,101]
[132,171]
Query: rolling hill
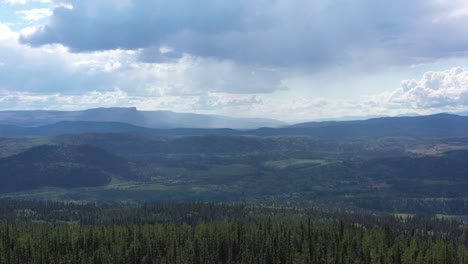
[63,166]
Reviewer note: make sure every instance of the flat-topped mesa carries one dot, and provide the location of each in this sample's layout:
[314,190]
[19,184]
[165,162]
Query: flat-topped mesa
[121,114]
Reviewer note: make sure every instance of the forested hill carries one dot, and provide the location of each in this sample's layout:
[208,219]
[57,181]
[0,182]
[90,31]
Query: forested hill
[59,166]
[440,125]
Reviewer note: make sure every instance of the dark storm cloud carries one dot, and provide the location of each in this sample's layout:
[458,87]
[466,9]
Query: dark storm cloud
[277,32]
[101,25]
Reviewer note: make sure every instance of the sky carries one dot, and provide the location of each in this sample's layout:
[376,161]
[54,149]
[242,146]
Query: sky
[293,60]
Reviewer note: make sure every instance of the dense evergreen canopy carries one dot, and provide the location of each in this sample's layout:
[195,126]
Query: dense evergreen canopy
[33,232]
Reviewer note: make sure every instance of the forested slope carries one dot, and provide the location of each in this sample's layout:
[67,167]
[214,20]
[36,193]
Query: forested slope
[59,166]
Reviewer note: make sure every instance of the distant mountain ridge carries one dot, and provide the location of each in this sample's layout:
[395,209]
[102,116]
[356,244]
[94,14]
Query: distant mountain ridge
[380,119]
[130,115]
[70,127]
[439,125]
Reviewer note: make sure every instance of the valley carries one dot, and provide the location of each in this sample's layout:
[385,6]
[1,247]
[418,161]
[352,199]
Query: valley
[381,174]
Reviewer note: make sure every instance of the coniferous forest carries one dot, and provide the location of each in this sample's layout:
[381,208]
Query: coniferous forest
[48,232]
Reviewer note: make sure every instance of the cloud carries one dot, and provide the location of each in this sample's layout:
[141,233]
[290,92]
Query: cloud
[131,24]
[191,75]
[212,101]
[239,105]
[112,66]
[275,33]
[23,2]
[236,57]
[435,92]
[16,2]
[26,100]
[7,36]
[53,69]
[35,14]
[446,89]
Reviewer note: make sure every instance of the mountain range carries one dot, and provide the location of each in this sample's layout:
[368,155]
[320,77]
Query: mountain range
[438,125]
[130,115]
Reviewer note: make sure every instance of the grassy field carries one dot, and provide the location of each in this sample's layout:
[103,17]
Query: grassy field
[403,215]
[294,163]
[444,216]
[124,193]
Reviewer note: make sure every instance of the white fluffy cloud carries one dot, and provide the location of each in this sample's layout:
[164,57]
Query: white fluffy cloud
[35,14]
[23,2]
[27,100]
[434,90]
[16,2]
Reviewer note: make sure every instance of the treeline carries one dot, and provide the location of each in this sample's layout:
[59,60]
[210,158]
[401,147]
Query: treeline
[42,232]
[423,206]
[194,213]
[267,241]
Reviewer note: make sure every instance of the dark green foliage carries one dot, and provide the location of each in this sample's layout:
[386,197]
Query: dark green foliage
[208,233]
[228,149]
[59,166]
